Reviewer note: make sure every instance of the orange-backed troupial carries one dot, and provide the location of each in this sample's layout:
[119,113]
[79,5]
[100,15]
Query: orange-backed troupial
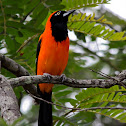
[52,58]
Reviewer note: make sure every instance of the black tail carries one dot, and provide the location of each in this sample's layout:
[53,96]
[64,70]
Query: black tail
[45,111]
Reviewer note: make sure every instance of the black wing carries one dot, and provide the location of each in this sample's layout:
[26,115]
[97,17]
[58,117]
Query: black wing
[37,54]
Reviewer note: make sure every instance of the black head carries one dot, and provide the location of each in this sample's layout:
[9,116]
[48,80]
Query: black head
[59,25]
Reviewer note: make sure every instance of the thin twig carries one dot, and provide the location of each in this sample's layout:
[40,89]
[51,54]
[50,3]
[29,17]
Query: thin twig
[105,74]
[114,79]
[78,109]
[24,18]
[41,99]
[26,42]
[109,77]
[100,73]
[44,4]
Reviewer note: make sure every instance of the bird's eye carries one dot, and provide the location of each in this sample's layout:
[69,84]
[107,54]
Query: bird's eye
[58,13]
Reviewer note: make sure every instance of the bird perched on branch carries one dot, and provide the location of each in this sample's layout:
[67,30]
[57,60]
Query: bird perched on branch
[52,58]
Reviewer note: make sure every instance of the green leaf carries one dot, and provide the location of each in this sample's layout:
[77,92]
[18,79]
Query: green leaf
[63,93]
[31,5]
[59,88]
[12,31]
[69,4]
[63,120]
[13,11]
[84,25]
[10,43]
[14,24]
[101,98]
[42,15]
[2,122]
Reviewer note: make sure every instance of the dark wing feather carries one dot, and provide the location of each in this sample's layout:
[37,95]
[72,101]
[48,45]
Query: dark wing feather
[37,54]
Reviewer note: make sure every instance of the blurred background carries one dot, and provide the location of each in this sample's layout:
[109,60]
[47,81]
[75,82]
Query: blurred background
[21,24]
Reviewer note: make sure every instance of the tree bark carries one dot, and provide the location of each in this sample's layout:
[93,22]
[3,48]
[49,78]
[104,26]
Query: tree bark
[17,70]
[8,102]
[92,83]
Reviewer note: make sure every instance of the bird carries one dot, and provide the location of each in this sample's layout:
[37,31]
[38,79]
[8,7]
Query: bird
[51,58]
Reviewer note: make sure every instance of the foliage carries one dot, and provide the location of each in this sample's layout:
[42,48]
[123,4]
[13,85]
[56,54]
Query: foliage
[103,98]
[69,4]
[22,22]
[87,25]
[2,122]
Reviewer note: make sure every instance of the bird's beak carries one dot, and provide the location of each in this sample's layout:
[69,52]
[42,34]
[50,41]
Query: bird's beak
[67,13]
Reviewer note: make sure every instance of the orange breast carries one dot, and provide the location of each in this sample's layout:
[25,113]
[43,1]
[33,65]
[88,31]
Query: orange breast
[52,59]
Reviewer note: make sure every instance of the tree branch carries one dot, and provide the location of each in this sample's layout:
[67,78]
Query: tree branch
[13,67]
[8,102]
[17,70]
[93,83]
[25,80]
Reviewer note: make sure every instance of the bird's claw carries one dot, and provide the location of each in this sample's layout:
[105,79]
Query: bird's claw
[48,75]
[63,77]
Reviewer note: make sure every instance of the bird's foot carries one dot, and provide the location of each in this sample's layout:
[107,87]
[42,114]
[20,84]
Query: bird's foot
[47,75]
[63,77]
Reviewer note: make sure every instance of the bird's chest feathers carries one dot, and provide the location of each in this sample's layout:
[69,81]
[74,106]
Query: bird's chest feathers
[57,49]
[54,55]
